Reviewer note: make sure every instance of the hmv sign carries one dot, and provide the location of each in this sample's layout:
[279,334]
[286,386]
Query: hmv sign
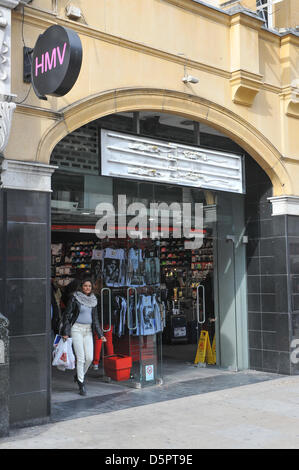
[56,62]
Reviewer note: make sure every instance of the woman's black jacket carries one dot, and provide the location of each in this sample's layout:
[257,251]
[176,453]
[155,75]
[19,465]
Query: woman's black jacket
[71,314]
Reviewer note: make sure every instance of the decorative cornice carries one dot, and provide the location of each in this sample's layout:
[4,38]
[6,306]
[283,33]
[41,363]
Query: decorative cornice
[290,38]
[9,3]
[285,205]
[251,21]
[39,112]
[290,95]
[202,9]
[244,86]
[28,176]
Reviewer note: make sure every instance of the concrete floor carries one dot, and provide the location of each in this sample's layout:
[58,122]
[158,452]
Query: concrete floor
[181,378]
[194,408]
[238,410]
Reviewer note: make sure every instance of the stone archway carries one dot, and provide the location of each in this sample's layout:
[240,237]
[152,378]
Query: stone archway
[167,101]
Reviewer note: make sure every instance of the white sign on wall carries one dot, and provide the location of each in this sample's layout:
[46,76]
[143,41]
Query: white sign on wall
[146,159]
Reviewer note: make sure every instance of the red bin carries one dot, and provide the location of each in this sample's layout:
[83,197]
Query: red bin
[118,367]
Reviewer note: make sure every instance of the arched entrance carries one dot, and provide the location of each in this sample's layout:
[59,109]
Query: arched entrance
[167,101]
[228,248]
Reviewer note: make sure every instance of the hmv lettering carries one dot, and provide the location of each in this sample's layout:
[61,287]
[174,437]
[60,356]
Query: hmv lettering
[45,63]
[56,61]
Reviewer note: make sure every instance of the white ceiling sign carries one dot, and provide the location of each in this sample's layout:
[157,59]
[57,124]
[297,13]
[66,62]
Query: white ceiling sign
[145,159]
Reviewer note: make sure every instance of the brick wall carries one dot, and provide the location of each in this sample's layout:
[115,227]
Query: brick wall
[78,152]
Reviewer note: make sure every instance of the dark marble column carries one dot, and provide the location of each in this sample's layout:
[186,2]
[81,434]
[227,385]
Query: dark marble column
[268,277]
[27,303]
[292,224]
[25,287]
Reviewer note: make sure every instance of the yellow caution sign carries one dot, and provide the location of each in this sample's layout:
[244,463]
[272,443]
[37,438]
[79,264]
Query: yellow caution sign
[211,352]
[202,347]
[205,353]
[214,349]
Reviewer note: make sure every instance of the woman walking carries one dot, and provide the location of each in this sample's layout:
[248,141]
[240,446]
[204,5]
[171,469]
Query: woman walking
[81,321]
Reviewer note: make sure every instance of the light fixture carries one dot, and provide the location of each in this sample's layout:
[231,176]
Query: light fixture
[72,12]
[190,79]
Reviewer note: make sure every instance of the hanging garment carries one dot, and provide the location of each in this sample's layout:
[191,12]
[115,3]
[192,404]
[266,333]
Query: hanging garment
[133,322]
[152,271]
[119,313]
[114,267]
[135,271]
[149,314]
[97,255]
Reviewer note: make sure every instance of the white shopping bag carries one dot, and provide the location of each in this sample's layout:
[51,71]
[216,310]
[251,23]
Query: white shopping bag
[63,356]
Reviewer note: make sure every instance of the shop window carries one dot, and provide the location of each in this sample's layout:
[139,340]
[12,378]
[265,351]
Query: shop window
[75,198]
[67,192]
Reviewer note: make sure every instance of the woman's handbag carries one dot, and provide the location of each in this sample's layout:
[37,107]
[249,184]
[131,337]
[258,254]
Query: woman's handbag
[63,356]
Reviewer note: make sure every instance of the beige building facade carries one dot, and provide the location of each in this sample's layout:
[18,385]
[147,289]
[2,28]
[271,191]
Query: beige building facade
[136,54]
[247,70]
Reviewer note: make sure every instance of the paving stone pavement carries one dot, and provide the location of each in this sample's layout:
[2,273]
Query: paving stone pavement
[261,412]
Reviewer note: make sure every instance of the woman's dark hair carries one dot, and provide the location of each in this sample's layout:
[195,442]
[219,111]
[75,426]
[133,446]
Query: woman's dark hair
[86,279]
[72,287]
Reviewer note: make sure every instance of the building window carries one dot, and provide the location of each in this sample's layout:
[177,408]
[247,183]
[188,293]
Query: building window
[265,9]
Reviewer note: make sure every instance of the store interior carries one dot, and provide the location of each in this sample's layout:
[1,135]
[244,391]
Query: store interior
[163,278]
[179,279]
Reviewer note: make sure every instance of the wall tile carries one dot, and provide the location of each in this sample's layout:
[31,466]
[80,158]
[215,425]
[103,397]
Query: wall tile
[27,250]
[254,302]
[254,321]
[30,408]
[253,248]
[273,264]
[255,339]
[253,284]
[26,306]
[293,225]
[277,362]
[27,206]
[273,246]
[274,284]
[29,357]
[253,266]
[256,359]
